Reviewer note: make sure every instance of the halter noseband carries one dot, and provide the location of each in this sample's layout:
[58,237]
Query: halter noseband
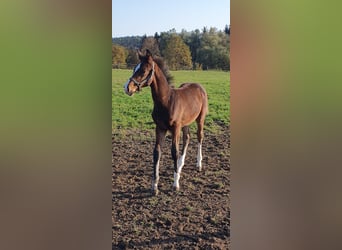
[147,79]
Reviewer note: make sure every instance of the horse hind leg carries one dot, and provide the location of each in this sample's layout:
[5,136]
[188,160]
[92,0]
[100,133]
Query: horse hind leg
[186,140]
[177,162]
[200,125]
[181,159]
[200,135]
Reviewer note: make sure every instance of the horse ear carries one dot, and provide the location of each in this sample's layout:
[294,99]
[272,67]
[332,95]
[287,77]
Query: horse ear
[148,53]
[140,55]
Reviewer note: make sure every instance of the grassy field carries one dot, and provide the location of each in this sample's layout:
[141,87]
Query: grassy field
[135,112]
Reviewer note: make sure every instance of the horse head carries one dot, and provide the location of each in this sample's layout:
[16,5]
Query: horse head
[143,74]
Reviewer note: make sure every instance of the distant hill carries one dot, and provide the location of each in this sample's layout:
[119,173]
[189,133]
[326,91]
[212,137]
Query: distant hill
[129,42]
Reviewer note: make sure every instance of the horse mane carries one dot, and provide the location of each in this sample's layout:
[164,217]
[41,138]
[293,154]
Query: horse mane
[162,65]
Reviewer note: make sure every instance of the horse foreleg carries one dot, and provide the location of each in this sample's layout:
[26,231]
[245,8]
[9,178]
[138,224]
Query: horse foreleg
[175,156]
[160,136]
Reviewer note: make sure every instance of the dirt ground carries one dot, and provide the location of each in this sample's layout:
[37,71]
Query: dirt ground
[196,217]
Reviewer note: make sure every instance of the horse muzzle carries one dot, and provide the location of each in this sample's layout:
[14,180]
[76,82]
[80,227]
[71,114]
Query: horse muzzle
[126,88]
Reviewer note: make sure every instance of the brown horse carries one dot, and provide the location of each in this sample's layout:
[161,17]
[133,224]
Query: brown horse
[174,110]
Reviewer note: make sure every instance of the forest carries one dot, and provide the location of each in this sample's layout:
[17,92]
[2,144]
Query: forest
[206,49]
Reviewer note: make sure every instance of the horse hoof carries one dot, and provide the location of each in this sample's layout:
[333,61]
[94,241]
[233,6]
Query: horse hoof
[175,188]
[155,192]
[199,168]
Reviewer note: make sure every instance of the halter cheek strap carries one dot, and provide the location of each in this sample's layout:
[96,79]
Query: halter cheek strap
[147,79]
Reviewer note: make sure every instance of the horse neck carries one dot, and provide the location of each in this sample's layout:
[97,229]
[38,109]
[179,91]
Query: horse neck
[160,88]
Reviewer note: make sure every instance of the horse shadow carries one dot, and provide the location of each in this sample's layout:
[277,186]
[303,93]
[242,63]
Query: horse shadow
[142,193]
[138,193]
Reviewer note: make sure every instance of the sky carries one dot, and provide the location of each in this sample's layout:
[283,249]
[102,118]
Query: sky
[140,17]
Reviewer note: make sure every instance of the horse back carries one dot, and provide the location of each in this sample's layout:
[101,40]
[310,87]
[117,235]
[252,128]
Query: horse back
[192,94]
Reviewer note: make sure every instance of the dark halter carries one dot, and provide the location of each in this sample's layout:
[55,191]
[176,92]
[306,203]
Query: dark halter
[147,79]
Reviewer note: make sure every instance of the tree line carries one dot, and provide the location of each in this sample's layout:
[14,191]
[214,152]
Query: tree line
[197,50]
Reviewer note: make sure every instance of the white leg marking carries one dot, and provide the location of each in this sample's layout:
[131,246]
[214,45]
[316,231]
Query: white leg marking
[155,182]
[199,157]
[176,177]
[181,160]
[180,164]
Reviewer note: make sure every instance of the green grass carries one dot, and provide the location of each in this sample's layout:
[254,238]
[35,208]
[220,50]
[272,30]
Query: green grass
[134,112]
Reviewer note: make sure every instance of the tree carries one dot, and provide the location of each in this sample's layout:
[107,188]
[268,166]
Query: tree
[132,58]
[213,52]
[194,44]
[163,40]
[207,48]
[118,56]
[177,53]
[129,42]
[156,36]
[227,30]
[192,39]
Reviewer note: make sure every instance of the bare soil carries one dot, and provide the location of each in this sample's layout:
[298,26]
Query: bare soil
[196,217]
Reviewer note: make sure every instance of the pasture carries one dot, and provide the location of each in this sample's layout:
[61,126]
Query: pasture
[135,112]
[197,216]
